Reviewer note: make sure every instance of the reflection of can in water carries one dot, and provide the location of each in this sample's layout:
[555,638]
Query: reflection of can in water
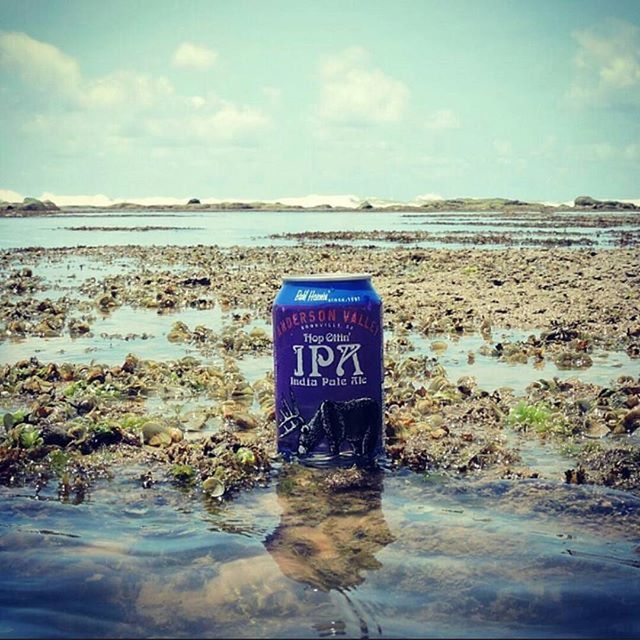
[327,337]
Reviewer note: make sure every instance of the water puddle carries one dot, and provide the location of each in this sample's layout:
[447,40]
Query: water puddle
[492,373]
[301,558]
[142,332]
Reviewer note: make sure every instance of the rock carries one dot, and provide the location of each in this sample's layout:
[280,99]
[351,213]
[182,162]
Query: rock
[55,435]
[95,375]
[575,476]
[572,360]
[631,421]
[32,204]
[193,201]
[179,332]
[86,405]
[241,420]
[596,430]
[585,201]
[633,350]
[156,434]
[130,363]
[197,282]
[78,328]
[214,487]
[107,302]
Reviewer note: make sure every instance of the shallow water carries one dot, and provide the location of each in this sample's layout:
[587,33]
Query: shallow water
[229,228]
[401,557]
[404,556]
[491,373]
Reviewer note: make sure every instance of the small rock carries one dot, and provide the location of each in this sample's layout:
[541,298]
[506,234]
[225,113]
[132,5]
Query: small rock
[631,421]
[130,363]
[95,375]
[575,476]
[240,419]
[179,332]
[214,487]
[596,430]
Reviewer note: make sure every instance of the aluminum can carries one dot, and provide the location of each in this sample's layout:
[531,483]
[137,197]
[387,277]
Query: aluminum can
[328,342]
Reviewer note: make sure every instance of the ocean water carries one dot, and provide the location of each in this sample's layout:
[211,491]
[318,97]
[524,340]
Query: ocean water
[228,228]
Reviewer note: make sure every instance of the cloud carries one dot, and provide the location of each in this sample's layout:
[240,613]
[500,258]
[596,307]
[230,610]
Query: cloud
[442,119]
[197,102]
[44,67]
[223,124]
[607,64]
[125,87]
[113,110]
[355,93]
[194,56]
[39,64]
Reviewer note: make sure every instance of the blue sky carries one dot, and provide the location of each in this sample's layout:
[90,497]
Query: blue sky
[265,99]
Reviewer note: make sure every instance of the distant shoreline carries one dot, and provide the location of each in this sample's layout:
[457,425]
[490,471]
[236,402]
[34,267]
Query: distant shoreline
[32,207]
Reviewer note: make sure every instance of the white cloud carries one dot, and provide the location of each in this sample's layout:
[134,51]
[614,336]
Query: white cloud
[194,56]
[197,102]
[39,64]
[43,66]
[607,64]
[355,93]
[442,119]
[226,123]
[125,87]
[123,106]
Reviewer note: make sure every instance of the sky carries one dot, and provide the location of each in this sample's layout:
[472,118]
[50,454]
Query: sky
[266,99]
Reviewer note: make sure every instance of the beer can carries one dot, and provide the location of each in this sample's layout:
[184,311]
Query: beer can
[328,342]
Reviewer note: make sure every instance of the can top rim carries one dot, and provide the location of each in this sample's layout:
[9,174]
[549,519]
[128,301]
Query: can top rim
[325,277]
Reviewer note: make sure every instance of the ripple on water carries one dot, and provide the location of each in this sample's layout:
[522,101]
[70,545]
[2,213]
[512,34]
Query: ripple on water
[395,556]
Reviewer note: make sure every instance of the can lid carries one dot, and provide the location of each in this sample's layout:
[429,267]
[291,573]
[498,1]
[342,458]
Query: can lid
[326,277]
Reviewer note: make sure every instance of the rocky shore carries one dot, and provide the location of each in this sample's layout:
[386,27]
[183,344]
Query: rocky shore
[199,420]
[35,207]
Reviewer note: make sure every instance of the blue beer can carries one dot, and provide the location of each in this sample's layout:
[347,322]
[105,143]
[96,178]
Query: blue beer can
[328,349]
